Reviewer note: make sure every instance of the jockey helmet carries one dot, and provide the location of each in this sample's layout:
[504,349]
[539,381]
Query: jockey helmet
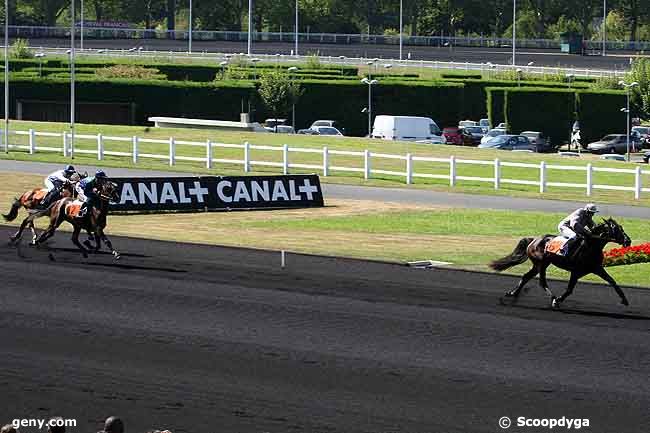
[100,174]
[69,169]
[591,208]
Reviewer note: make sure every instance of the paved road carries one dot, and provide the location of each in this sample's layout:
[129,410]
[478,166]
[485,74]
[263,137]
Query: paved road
[399,195]
[202,339]
[620,60]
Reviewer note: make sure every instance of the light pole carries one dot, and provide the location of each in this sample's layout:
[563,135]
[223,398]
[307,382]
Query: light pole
[401,28]
[514,30]
[569,78]
[627,111]
[81,30]
[189,36]
[296,31]
[291,70]
[223,69]
[370,83]
[6,131]
[604,25]
[250,24]
[519,71]
[40,56]
[72,78]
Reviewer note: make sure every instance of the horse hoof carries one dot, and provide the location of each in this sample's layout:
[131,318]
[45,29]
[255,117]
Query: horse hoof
[510,294]
[117,256]
[625,302]
[555,303]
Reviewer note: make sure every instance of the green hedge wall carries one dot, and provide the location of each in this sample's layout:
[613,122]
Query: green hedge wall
[496,105]
[551,111]
[600,113]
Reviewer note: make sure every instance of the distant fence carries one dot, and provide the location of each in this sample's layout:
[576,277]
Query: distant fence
[325,168]
[311,38]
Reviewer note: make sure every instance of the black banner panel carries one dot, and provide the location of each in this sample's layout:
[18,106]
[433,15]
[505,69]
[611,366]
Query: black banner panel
[215,193]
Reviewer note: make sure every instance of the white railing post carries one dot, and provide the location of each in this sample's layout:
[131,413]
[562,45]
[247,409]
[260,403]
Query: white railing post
[100,147]
[172,151]
[452,170]
[637,183]
[590,179]
[409,168]
[326,162]
[285,159]
[366,164]
[135,149]
[497,173]
[247,157]
[542,177]
[32,142]
[208,154]
[65,143]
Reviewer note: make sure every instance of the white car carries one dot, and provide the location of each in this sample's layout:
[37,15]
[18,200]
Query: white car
[465,123]
[433,140]
[491,134]
[327,130]
[405,128]
[281,129]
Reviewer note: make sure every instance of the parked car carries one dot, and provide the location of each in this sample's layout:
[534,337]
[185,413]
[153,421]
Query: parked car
[509,142]
[308,131]
[643,135]
[476,133]
[646,157]
[541,143]
[436,139]
[465,123]
[612,143]
[491,134]
[270,124]
[332,123]
[408,128]
[327,130]
[485,124]
[282,129]
[457,136]
[502,126]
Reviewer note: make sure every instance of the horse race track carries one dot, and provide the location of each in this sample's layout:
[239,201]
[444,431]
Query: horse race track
[210,339]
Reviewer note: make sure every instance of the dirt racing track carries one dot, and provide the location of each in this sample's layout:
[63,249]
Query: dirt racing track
[207,339]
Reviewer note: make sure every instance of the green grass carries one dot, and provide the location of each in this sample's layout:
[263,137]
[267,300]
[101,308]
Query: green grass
[356,144]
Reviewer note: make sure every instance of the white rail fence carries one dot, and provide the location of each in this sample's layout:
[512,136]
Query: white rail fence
[366,159]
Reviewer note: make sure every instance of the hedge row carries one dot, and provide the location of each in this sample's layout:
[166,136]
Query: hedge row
[495,105]
[600,114]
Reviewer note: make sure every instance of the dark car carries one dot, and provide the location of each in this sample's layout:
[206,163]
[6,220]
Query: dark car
[509,142]
[644,135]
[457,136]
[612,143]
[541,142]
[476,134]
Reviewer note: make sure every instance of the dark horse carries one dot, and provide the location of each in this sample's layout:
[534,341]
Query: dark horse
[31,200]
[94,221]
[587,260]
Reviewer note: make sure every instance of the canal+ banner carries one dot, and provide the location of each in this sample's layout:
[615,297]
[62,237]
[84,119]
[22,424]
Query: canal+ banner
[151,194]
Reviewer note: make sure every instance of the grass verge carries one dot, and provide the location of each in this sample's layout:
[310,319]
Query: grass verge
[363,229]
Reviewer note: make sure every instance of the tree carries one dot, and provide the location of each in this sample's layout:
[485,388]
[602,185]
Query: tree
[279,92]
[641,95]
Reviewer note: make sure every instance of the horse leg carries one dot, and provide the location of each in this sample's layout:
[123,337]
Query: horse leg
[101,236]
[75,240]
[542,280]
[34,234]
[602,273]
[573,280]
[524,279]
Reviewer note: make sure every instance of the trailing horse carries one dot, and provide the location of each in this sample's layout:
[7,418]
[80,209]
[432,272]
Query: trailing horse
[588,259]
[94,221]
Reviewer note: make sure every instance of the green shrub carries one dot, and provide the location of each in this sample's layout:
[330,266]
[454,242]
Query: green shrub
[551,111]
[496,105]
[313,62]
[131,72]
[600,114]
[463,76]
[20,49]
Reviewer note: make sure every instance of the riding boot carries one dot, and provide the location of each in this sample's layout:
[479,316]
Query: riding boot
[575,248]
[49,198]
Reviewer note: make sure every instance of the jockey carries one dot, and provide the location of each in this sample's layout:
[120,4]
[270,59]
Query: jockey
[87,190]
[577,225]
[54,182]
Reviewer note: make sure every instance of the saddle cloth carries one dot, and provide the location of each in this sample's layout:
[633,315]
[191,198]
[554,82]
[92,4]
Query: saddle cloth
[74,208]
[555,245]
[40,194]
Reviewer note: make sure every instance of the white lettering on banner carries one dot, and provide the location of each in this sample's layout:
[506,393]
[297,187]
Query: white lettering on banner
[198,191]
[262,191]
[241,192]
[128,194]
[292,191]
[181,194]
[168,193]
[308,189]
[220,187]
[279,191]
[152,194]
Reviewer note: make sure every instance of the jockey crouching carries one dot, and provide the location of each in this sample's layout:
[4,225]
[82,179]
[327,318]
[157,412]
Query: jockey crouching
[54,183]
[87,191]
[576,227]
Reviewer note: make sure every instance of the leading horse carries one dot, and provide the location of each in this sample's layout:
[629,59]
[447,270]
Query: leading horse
[587,260]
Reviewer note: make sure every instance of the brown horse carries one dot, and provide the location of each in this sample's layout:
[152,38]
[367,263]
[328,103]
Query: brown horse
[587,260]
[94,221]
[30,200]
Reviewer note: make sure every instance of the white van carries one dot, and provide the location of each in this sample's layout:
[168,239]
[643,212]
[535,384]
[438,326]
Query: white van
[407,128]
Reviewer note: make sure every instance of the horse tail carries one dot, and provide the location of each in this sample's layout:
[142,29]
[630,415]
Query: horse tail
[516,257]
[13,213]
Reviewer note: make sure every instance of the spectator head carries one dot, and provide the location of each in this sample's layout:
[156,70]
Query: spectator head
[9,428]
[114,424]
[56,425]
